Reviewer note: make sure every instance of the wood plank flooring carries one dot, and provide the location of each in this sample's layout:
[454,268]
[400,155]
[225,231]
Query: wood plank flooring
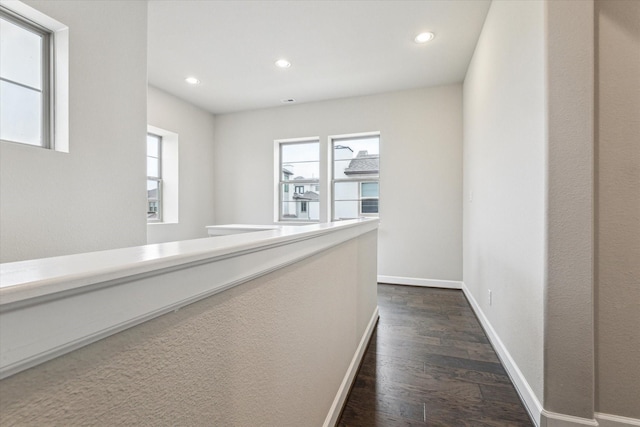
[430,363]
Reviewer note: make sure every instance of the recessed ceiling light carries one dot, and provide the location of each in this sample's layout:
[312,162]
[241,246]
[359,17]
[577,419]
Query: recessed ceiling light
[192,81]
[424,37]
[283,63]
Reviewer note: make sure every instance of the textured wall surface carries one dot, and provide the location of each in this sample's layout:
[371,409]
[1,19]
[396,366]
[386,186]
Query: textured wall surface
[569,326]
[618,208]
[195,131]
[93,197]
[504,176]
[420,170]
[270,352]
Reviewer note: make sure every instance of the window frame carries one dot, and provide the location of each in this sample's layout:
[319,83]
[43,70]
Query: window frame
[46,76]
[157,179]
[341,140]
[170,176]
[280,182]
[59,74]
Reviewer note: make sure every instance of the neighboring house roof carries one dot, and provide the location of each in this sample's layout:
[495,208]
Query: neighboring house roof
[152,194]
[363,163]
[286,171]
[308,195]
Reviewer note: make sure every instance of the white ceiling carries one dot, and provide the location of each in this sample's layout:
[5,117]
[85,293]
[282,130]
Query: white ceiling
[337,48]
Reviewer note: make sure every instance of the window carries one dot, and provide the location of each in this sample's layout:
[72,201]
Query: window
[34,78]
[345,186]
[298,164]
[356,174]
[369,197]
[24,81]
[163,176]
[154,178]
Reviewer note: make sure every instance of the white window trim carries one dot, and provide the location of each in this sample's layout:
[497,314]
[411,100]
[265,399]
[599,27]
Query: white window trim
[157,179]
[58,135]
[170,176]
[326,175]
[332,181]
[276,181]
[43,90]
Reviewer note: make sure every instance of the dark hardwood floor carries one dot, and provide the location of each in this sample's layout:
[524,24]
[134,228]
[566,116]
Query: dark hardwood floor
[430,363]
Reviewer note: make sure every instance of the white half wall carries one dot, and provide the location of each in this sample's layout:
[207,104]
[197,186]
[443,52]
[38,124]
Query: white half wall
[504,182]
[420,233]
[91,198]
[278,349]
[194,128]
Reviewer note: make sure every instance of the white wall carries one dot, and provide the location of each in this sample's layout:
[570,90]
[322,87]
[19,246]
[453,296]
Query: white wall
[196,163]
[420,170]
[504,177]
[618,208]
[54,203]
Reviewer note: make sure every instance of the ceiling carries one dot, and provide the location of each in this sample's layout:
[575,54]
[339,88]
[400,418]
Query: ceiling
[337,49]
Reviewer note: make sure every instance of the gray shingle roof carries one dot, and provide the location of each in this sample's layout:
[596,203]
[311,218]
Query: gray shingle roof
[308,195]
[364,163]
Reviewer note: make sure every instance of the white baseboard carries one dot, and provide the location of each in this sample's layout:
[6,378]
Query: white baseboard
[553,419]
[608,420]
[531,402]
[540,416]
[413,281]
[345,387]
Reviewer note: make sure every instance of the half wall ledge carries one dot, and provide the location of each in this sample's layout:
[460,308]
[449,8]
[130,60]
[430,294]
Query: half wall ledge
[42,300]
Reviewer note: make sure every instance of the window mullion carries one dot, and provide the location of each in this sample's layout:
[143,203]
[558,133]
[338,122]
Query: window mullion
[47,98]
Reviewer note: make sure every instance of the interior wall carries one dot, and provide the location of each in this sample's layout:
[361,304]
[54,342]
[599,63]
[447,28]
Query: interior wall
[420,170]
[92,198]
[504,178]
[618,208]
[569,347]
[195,129]
[272,351]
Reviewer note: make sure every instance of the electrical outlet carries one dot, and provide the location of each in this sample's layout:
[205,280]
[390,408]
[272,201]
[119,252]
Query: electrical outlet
[490,297]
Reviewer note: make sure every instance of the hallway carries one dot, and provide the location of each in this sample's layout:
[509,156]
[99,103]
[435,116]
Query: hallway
[430,363]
